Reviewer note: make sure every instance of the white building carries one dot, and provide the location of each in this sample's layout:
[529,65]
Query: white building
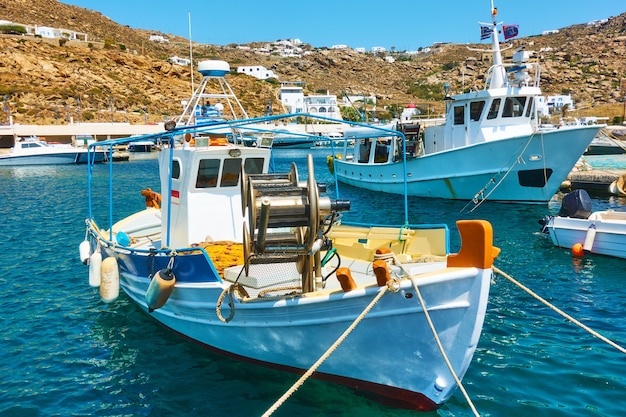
[294,101]
[158,38]
[377,49]
[557,102]
[409,113]
[257,71]
[322,105]
[179,61]
[292,97]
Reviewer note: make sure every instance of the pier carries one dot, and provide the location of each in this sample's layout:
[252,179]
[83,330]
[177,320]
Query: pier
[67,133]
[597,181]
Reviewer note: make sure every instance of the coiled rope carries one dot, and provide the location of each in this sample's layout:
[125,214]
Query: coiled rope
[561,312]
[326,354]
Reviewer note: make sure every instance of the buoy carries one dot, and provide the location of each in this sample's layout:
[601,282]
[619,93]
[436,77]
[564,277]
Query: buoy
[83,250]
[109,280]
[95,268]
[578,249]
[160,289]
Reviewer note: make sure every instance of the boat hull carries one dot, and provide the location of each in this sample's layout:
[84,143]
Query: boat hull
[608,235]
[292,333]
[528,168]
[65,158]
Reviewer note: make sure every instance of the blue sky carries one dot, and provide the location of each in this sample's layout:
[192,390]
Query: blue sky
[404,24]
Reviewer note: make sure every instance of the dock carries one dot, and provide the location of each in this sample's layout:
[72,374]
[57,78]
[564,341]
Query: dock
[67,133]
[596,181]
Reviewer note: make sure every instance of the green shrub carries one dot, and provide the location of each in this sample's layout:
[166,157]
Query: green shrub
[13,29]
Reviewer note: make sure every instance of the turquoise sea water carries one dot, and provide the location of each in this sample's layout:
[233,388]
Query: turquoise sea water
[65,353]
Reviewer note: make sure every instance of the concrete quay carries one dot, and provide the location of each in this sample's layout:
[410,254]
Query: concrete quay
[591,180]
[67,133]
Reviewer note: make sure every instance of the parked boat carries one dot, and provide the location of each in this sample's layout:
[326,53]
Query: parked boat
[490,146]
[35,151]
[260,267]
[578,228]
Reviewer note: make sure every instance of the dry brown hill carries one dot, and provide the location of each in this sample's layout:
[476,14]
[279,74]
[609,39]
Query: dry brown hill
[119,69]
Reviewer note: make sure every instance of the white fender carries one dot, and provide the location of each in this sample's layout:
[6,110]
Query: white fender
[84,249]
[590,237]
[160,289]
[109,280]
[95,268]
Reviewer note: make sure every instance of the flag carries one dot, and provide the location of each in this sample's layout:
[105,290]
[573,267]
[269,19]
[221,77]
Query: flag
[510,31]
[485,32]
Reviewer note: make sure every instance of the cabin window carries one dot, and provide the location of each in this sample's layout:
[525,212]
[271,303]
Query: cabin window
[459,115]
[476,110]
[514,107]
[529,109]
[208,170]
[494,109]
[175,169]
[230,172]
[254,166]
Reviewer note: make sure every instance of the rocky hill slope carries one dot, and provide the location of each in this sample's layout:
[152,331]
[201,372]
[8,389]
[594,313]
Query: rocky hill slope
[118,74]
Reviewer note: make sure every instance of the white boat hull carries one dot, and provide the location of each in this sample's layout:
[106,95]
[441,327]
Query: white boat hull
[291,334]
[609,236]
[509,170]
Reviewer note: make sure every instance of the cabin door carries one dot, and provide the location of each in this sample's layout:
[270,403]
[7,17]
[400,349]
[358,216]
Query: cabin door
[459,127]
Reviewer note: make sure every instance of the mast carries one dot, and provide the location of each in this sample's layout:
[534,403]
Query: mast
[498,76]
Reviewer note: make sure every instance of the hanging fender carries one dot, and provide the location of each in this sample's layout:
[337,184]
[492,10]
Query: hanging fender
[160,289]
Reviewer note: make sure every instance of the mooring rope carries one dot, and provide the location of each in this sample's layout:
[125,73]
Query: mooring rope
[325,356]
[562,313]
[483,198]
[437,340]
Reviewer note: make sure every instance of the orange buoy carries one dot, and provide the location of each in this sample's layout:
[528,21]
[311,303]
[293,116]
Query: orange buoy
[578,249]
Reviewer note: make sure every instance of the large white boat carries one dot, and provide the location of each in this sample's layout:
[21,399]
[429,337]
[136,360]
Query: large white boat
[490,146]
[260,267]
[34,151]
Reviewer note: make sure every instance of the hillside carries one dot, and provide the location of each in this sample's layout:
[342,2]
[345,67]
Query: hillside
[119,74]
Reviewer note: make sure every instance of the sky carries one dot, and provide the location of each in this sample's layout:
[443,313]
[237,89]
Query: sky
[404,24]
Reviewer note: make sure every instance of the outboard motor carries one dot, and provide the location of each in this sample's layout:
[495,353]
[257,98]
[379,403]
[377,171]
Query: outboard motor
[576,204]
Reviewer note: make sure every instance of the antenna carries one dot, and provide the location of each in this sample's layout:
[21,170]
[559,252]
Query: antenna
[191,54]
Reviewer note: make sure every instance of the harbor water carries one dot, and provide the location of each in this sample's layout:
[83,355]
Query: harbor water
[66,353]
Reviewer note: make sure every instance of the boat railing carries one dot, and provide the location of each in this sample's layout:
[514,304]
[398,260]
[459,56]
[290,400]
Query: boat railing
[519,74]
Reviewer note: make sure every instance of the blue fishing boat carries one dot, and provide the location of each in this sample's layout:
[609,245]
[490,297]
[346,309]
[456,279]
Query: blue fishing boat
[259,266]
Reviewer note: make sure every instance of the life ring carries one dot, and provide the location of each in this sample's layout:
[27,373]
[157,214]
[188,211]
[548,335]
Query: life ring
[153,199]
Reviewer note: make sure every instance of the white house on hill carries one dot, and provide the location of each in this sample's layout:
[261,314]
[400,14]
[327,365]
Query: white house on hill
[257,71]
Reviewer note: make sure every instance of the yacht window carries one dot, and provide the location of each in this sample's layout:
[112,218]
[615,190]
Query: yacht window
[493,111]
[514,107]
[175,169]
[208,169]
[230,172]
[476,110]
[529,109]
[253,166]
[459,115]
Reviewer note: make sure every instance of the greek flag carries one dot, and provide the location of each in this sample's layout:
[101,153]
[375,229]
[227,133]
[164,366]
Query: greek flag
[485,32]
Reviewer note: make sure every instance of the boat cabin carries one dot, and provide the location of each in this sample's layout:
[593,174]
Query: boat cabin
[204,201]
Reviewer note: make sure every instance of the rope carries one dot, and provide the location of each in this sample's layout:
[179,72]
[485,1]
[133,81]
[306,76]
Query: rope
[562,313]
[218,306]
[325,356]
[437,340]
[480,193]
